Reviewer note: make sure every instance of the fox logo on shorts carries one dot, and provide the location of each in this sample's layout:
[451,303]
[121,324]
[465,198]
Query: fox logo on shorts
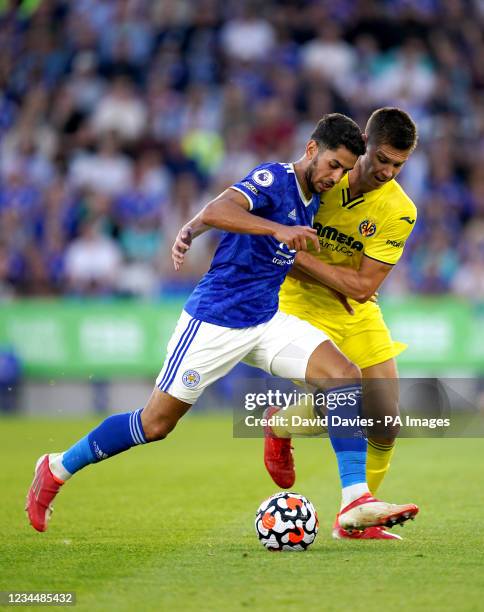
[191,378]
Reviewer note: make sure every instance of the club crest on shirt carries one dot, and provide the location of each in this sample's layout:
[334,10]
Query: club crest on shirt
[263,177]
[190,378]
[367,228]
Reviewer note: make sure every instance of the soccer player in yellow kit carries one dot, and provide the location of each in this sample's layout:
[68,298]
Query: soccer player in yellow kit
[362,224]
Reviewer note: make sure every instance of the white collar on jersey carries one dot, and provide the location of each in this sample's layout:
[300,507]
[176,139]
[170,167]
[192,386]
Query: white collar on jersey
[305,201]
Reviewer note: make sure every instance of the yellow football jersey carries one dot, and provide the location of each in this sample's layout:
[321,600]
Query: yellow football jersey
[375,224]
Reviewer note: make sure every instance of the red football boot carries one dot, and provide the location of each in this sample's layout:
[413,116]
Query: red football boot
[43,489]
[367,511]
[370,533]
[278,457]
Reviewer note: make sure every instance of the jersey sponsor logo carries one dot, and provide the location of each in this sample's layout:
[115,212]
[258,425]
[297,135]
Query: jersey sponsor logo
[398,244]
[331,238]
[347,201]
[408,220]
[282,262]
[288,255]
[265,178]
[190,378]
[292,214]
[367,228]
[250,187]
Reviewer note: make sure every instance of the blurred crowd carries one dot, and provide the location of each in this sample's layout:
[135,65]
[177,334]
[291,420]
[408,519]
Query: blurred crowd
[120,118]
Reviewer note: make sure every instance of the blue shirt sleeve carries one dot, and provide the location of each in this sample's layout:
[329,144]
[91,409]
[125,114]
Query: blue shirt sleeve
[263,186]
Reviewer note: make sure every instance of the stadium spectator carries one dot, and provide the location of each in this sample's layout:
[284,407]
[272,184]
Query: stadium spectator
[107,170]
[87,88]
[247,37]
[329,55]
[120,110]
[92,262]
[85,85]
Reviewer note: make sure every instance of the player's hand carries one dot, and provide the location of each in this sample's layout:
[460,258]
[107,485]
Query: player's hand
[296,237]
[182,244]
[343,300]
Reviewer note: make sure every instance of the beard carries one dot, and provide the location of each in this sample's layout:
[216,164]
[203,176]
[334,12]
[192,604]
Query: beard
[308,175]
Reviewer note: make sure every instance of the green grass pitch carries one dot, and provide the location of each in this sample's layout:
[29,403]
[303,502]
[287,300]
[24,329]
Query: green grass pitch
[170,526]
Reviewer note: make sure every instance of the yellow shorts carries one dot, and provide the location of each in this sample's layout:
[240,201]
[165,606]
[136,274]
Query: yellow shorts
[363,337]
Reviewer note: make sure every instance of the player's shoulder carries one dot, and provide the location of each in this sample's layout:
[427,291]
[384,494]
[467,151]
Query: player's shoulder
[397,202]
[271,173]
[266,183]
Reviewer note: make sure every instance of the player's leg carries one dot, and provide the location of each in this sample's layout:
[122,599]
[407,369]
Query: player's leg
[188,369]
[341,400]
[117,433]
[300,419]
[381,394]
[380,397]
[120,432]
[294,349]
[359,509]
[369,344]
[324,365]
[382,391]
[161,414]
[114,435]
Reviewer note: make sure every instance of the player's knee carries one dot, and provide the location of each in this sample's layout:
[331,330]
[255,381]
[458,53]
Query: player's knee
[346,370]
[351,370]
[340,370]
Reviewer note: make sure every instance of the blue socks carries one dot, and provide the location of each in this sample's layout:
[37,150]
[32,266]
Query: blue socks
[114,435]
[348,440]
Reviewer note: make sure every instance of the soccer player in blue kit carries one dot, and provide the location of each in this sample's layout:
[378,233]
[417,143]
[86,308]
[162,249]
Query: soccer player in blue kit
[232,316]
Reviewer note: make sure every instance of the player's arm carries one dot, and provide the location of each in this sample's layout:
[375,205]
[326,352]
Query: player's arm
[183,240]
[230,212]
[360,285]
[301,276]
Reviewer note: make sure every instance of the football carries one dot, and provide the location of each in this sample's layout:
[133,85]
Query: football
[286,521]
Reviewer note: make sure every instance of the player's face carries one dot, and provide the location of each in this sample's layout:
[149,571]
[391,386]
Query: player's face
[327,167]
[382,163]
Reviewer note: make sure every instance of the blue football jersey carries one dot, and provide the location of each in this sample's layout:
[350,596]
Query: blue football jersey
[241,289]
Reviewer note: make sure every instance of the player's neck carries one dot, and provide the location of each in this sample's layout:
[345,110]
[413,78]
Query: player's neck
[301,178]
[357,183]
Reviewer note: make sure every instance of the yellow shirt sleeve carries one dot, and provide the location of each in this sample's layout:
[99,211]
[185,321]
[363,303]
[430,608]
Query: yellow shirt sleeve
[388,244]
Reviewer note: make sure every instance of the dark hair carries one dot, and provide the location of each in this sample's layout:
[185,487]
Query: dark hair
[392,126]
[335,130]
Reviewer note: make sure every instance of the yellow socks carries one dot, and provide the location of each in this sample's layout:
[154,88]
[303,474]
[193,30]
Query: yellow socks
[377,463]
[304,423]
